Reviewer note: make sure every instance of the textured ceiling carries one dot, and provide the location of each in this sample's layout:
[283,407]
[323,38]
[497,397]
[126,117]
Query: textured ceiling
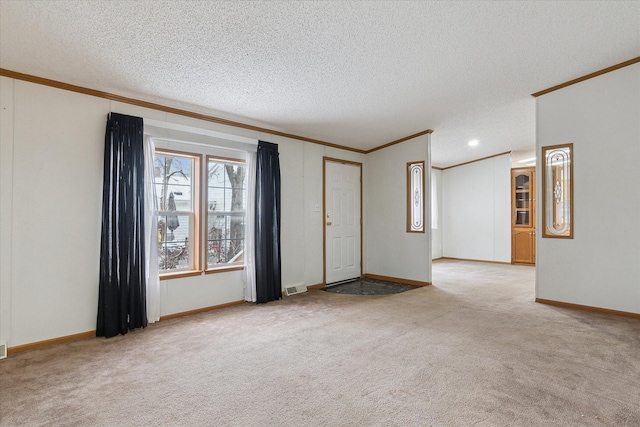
[354,73]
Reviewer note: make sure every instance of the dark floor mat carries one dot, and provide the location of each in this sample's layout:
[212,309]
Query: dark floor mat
[370,287]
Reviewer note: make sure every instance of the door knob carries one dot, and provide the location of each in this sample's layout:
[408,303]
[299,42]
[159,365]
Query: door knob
[328,222]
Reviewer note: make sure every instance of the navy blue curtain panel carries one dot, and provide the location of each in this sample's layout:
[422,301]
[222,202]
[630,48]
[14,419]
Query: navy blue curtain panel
[267,223]
[122,297]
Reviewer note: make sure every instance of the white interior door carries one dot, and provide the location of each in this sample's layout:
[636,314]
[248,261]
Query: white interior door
[342,221]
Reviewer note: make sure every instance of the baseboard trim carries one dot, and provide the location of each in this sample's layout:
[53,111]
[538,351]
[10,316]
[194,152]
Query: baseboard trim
[92,334]
[475,260]
[200,310]
[588,308]
[395,279]
[50,342]
[437,259]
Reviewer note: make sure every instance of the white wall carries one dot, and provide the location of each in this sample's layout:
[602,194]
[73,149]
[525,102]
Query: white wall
[477,210]
[436,234]
[55,204]
[6,197]
[388,249]
[600,266]
[52,144]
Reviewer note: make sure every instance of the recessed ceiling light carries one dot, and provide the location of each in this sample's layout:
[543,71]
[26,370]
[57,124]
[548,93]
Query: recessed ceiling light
[473,143]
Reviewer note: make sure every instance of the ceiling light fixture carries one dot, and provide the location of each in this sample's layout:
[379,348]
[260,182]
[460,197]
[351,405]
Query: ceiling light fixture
[473,143]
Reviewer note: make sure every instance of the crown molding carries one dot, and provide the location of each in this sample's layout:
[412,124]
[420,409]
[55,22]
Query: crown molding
[159,107]
[398,141]
[588,76]
[477,160]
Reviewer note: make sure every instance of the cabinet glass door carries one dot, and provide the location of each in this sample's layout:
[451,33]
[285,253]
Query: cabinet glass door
[523,200]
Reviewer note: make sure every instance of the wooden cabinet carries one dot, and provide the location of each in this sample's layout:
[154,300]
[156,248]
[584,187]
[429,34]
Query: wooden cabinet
[523,216]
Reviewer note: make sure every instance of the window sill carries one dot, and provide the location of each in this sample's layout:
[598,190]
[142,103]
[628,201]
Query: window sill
[224,269]
[180,274]
[192,273]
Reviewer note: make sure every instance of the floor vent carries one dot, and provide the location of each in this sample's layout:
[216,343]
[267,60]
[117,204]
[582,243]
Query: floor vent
[292,290]
[3,350]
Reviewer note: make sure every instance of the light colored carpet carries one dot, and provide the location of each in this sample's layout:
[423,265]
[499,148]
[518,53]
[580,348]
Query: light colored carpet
[474,349]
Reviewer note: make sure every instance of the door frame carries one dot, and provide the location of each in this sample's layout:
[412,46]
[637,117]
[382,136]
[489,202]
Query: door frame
[326,159]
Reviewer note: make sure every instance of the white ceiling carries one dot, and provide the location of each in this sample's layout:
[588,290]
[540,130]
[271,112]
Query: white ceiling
[354,73]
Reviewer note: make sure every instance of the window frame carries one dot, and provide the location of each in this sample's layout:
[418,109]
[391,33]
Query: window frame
[196,189]
[205,206]
[416,207]
[565,190]
[199,214]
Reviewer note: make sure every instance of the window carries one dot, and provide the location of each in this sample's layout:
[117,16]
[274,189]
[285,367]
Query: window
[415,197]
[434,201]
[176,184]
[226,216]
[188,245]
[557,191]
